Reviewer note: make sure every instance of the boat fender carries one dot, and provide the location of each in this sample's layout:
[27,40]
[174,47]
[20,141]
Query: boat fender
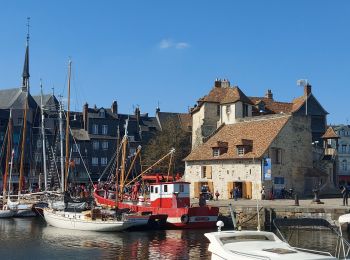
[184,219]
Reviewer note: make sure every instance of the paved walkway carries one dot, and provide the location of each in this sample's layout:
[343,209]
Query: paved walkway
[334,203]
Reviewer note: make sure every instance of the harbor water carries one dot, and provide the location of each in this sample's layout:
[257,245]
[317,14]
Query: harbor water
[31,239]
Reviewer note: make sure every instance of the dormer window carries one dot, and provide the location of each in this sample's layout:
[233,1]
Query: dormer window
[228,109]
[216,152]
[240,150]
[102,113]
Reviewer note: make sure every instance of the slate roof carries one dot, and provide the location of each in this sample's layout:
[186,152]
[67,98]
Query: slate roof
[8,97]
[330,134]
[260,132]
[184,119]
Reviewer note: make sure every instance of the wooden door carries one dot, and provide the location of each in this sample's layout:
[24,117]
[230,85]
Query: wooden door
[211,187]
[230,186]
[247,189]
[196,189]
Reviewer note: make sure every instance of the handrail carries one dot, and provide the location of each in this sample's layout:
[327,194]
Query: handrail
[250,255]
[313,251]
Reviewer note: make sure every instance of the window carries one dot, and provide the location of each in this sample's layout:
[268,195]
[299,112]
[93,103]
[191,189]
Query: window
[245,110]
[228,109]
[104,145]
[104,129]
[216,152]
[182,188]
[95,129]
[102,113]
[94,161]
[132,138]
[276,155]
[95,145]
[279,180]
[39,143]
[76,148]
[343,148]
[240,150]
[37,157]
[165,188]
[103,161]
[151,189]
[77,161]
[218,110]
[20,121]
[204,172]
[132,150]
[155,189]
[344,165]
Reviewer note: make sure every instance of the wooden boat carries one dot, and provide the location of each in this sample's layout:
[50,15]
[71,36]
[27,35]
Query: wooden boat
[92,221]
[170,199]
[245,245]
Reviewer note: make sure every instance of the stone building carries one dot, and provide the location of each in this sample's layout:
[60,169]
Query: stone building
[237,140]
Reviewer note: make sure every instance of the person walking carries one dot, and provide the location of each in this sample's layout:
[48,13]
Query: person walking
[345,194]
[263,193]
[235,193]
[217,194]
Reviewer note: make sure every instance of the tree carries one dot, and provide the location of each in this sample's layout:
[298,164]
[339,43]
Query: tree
[171,136]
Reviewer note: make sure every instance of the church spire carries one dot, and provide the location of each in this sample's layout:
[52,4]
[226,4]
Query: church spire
[25,74]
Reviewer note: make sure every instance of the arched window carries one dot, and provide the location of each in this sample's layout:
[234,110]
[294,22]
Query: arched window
[344,165]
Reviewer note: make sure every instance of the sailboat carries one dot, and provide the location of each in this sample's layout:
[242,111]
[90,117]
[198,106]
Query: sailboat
[96,219]
[6,211]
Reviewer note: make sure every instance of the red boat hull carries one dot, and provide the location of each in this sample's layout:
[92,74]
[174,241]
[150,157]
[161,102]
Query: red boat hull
[177,218]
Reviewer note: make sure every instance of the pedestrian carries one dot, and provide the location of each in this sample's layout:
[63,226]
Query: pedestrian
[235,193]
[217,194]
[231,193]
[344,192]
[263,194]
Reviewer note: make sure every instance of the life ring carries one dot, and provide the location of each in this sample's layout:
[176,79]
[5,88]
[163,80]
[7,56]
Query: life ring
[184,219]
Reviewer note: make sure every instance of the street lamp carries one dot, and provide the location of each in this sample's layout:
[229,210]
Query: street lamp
[304,83]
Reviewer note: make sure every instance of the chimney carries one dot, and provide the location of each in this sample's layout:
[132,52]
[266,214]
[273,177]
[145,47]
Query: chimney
[307,90]
[85,115]
[222,83]
[137,113]
[114,107]
[269,94]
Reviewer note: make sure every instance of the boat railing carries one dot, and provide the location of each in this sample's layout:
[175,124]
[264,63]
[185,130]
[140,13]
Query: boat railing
[313,251]
[252,256]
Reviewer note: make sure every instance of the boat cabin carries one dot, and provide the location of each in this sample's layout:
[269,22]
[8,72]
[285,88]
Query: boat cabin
[170,194]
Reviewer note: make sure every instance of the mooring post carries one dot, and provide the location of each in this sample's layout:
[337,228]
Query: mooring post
[296,200]
[232,216]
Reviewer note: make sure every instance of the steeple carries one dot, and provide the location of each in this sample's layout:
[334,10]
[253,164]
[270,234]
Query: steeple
[25,74]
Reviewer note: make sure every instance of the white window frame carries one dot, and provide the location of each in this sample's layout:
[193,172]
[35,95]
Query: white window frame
[95,145]
[104,145]
[77,161]
[95,129]
[104,161]
[216,152]
[76,148]
[240,151]
[104,129]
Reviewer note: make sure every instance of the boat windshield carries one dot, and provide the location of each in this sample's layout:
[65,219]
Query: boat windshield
[234,239]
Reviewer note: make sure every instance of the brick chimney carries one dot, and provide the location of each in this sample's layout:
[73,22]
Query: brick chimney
[269,94]
[114,107]
[137,114]
[221,83]
[85,115]
[307,90]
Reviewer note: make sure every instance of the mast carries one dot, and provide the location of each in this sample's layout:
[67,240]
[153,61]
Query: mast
[61,145]
[11,167]
[125,142]
[8,154]
[43,134]
[24,136]
[117,171]
[67,126]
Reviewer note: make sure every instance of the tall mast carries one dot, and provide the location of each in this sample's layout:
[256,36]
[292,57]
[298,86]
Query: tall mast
[61,145]
[23,146]
[8,154]
[43,134]
[117,171]
[67,126]
[11,167]
[122,173]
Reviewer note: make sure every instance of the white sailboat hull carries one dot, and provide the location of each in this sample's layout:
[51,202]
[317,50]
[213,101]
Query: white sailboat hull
[76,221]
[6,213]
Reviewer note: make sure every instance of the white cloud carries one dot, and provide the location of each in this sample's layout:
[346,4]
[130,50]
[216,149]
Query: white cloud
[167,44]
[182,45]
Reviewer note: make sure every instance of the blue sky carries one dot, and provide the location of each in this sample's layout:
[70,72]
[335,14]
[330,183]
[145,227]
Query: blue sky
[145,52]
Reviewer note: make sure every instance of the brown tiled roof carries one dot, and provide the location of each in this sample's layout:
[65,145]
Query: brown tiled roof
[273,106]
[233,95]
[261,132]
[297,103]
[330,134]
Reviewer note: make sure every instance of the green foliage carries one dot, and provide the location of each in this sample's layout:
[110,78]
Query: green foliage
[171,136]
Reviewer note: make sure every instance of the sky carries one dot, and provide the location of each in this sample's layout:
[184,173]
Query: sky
[145,53]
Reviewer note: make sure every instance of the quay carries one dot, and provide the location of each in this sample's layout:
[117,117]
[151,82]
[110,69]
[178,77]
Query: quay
[246,210]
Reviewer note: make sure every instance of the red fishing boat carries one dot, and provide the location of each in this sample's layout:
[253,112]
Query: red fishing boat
[171,199]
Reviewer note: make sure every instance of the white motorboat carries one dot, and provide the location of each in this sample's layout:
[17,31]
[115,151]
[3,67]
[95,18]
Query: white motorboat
[5,212]
[92,221]
[245,245]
